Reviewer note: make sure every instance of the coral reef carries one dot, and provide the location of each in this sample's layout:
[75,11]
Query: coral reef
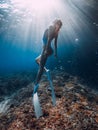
[76,106]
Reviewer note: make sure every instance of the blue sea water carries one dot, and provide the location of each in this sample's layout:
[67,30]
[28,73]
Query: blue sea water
[22,25]
[21,39]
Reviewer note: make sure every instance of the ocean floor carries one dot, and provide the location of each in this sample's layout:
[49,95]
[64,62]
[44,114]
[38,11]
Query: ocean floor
[76,106]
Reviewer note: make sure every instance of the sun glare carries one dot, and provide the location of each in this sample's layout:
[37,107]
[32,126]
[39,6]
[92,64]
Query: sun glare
[29,18]
[35,5]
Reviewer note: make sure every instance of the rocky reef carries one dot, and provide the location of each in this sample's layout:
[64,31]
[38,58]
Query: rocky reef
[76,106]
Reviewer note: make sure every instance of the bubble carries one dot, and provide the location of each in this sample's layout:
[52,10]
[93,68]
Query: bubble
[76,40]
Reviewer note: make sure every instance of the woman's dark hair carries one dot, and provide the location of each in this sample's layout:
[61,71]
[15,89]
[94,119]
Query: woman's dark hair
[58,21]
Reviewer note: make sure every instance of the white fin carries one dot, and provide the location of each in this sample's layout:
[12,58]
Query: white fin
[37,108]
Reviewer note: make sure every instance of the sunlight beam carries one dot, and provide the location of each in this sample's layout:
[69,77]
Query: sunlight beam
[35,5]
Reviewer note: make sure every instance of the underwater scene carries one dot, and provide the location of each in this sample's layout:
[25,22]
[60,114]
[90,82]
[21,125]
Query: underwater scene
[48,65]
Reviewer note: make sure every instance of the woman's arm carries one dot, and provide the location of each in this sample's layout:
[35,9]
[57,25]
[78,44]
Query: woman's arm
[50,35]
[55,46]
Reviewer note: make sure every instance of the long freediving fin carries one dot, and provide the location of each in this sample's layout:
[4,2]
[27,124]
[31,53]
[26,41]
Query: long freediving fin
[51,85]
[36,103]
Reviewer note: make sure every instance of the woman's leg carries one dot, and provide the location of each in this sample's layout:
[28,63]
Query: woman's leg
[38,62]
[38,59]
[43,60]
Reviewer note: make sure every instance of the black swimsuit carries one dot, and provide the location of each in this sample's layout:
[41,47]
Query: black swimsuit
[51,34]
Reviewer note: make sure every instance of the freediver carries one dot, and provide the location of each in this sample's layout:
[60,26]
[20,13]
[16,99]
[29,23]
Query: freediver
[49,34]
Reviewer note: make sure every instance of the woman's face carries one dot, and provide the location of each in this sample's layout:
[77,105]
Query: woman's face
[57,28]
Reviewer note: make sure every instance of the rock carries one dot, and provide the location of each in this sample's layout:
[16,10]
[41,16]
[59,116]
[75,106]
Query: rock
[76,107]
